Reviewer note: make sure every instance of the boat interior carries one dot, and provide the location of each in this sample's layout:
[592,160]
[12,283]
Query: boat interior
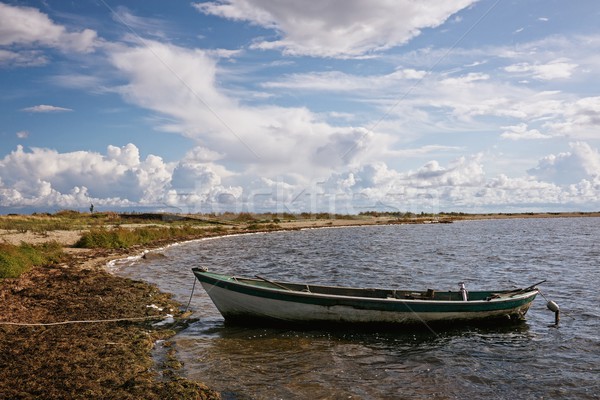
[375,293]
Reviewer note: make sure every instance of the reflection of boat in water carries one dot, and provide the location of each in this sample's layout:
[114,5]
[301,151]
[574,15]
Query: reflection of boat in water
[256,300]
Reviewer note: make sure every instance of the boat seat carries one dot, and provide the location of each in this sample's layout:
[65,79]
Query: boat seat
[428,295]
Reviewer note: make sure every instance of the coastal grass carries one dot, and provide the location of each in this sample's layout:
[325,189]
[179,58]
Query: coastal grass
[38,224]
[69,220]
[17,259]
[124,238]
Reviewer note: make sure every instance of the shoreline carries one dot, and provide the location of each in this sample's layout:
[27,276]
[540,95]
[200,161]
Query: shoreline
[47,350]
[114,359]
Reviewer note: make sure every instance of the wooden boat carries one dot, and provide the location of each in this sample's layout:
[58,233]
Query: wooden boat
[259,300]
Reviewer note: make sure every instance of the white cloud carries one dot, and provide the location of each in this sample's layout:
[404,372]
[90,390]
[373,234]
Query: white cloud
[46,175]
[24,58]
[375,183]
[581,163]
[461,172]
[29,26]
[337,28]
[44,108]
[120,178]
[23,134]
[556,69]
[520,132]
[182,85]
[578,120]
[264,155]
[45,178]
[336,81]
[144,26]
[524,192]
[463,185]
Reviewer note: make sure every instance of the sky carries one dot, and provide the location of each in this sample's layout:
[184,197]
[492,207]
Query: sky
[339,106]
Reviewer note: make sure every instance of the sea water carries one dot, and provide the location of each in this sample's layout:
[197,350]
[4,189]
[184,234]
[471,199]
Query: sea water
[530,360]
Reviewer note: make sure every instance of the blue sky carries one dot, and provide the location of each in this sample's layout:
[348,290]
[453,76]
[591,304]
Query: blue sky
[340,106]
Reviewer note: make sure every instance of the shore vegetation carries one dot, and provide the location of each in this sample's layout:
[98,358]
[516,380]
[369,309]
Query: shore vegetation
[17,259]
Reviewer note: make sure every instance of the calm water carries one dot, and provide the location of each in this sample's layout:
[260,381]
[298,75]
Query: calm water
[529,361]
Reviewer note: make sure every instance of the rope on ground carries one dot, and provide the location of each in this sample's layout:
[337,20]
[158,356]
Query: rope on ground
[96,321]
[93,321]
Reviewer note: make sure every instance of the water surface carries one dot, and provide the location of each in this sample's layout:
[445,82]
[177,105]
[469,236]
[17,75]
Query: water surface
[531,360]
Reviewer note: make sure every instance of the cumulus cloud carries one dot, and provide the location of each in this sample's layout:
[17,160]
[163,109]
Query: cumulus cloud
[578,120]
[120,177]
[463,184]
[522,192]
[461,172]
[337,28]
[182,84]
[44,108]
[26,26]
[520,132]
[375,184]
[581,163]
[250,156]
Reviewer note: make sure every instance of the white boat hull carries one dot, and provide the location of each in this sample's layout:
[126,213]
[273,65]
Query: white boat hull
[243,307]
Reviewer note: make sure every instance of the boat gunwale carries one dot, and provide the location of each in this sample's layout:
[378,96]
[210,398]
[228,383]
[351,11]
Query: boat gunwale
[504,296]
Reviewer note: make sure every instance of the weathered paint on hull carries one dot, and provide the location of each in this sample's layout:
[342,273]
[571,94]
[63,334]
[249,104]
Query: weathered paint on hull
[283,307]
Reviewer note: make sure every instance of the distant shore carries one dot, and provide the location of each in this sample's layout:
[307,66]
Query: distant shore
[111,359]
[69,237]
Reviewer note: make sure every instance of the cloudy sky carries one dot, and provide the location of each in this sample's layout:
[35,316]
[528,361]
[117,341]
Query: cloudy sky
[300,106]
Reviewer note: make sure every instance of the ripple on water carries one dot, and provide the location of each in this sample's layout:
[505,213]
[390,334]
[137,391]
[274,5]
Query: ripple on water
[530,360]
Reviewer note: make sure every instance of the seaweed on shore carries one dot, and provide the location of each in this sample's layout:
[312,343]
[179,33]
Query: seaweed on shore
[85,360]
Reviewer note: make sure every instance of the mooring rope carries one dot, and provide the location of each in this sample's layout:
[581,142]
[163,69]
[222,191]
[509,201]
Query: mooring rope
[96,321]
[91,321]
[548,301]
[191,294]
[540,292]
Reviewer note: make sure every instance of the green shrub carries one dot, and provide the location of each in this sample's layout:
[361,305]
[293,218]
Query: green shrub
[122,238]
[116,238]
[17,259]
